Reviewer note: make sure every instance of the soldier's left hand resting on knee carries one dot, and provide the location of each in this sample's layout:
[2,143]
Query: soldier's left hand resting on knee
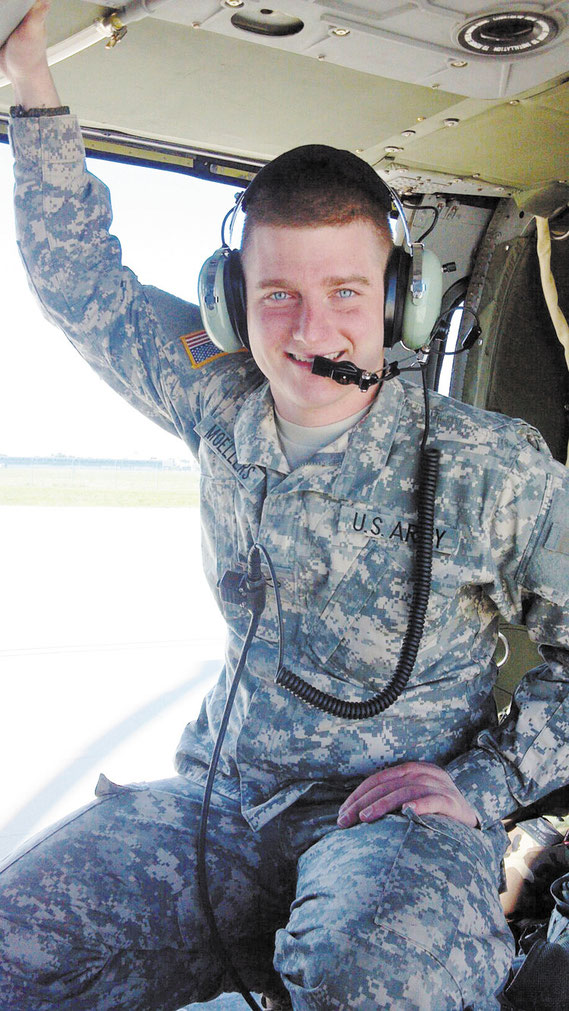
[421,786]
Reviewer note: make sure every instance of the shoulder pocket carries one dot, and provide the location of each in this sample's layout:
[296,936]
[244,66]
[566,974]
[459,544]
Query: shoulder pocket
[546,573]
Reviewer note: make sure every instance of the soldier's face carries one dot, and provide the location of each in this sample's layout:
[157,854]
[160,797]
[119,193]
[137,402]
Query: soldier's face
[315,291]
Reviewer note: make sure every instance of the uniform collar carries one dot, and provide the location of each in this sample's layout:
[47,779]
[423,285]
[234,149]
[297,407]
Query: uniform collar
[370,443]
[256,437]
[257,442]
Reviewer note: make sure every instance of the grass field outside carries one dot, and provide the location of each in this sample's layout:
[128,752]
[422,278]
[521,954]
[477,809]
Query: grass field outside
[98,486]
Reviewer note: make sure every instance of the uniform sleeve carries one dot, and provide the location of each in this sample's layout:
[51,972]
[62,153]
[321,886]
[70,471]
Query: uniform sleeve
[130,333]
[527,755]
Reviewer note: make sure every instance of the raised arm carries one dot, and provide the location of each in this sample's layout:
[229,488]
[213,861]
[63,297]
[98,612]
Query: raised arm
[130,333]
[23,59]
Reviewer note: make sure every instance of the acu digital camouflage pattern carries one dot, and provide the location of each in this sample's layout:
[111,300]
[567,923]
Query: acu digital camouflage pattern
[105,913]
[340,530]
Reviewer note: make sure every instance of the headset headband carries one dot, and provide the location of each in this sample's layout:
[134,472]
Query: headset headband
[413,280]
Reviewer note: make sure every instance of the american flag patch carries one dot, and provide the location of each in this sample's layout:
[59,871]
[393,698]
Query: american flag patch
[200,349]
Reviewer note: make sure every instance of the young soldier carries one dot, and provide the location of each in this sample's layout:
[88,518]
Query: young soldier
[363,855]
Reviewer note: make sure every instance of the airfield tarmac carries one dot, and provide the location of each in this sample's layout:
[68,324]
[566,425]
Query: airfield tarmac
[109,639]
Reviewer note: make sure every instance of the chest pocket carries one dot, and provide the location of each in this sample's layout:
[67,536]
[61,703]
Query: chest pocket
[230,527]
[219,534]
[358,634]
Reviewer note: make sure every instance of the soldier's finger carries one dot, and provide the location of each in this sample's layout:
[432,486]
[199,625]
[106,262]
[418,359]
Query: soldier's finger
[377,802]
[392,801]
[380,784]
[453,806]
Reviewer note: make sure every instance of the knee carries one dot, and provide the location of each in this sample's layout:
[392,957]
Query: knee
[312,963]
[334,969]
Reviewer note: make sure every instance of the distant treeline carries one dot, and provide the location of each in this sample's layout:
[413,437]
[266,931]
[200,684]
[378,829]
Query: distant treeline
[88,461]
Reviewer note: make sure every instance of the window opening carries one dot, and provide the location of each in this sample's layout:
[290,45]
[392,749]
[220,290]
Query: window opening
[444,370]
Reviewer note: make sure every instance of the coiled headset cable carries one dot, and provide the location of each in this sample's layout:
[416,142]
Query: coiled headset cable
[428,473]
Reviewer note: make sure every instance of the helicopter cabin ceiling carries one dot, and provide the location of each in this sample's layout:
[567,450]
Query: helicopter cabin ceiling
[453,96]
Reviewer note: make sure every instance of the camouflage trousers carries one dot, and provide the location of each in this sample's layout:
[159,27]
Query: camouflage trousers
[103,911]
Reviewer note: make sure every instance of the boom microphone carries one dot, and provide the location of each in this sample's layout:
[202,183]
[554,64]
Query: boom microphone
[346,372]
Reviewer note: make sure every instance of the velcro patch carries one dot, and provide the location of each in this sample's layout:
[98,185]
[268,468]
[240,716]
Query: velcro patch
[200,349]
[558,539]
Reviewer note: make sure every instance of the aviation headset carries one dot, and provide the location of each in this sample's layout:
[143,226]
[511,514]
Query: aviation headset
[413,278]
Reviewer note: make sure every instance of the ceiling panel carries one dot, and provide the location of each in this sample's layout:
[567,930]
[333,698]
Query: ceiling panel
[221,91]
[416,41]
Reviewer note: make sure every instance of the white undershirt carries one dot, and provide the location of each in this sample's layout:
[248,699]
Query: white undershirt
[299,442]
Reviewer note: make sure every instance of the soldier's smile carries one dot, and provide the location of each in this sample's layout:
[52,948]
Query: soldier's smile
[315,291]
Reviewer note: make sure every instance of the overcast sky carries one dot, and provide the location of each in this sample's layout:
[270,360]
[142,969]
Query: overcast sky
[50,401]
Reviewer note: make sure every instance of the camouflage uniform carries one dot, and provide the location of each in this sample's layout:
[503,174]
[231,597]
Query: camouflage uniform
[401,913]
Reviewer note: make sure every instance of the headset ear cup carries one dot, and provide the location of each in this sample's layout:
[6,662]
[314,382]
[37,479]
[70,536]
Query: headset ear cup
[396,287]
[420,316]
[236,295]
[222,307]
